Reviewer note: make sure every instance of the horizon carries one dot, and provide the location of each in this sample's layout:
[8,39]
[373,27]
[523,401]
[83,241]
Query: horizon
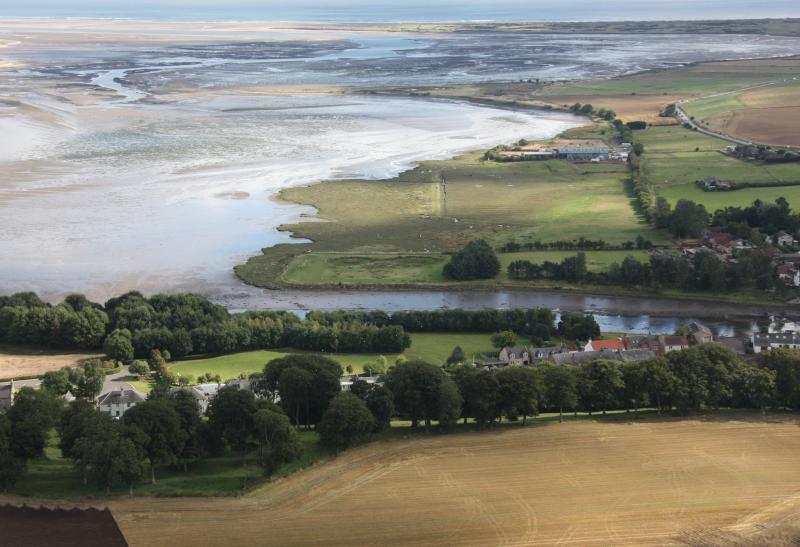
[390,11]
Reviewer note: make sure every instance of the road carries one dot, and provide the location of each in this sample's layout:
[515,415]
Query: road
[116,381]
[683,117]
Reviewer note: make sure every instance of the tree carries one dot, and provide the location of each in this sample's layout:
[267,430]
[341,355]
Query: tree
[606,381]
[118,345]
[577,326]
[416,385]
[380,402]
[560,388]
[192,426]
[450,402]
[477,260]
[660,381]
[757,386]
[32,415]
[108,455]
[139,368]
[520,391]
[324,386]
[504,338]
[90,383]
[635,381]
[278,442]
[346,422]
[230,417]
[785,363]
[57,381]
[294,387]
[380,366]
[161,427]
[457,357]
[11,466]
[688,219]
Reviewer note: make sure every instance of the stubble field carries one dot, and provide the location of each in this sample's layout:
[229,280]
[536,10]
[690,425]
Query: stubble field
[582,483]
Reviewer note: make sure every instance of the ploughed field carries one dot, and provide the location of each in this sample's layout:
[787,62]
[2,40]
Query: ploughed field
[583,483]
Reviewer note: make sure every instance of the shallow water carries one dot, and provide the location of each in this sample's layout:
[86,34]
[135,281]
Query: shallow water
[102,192]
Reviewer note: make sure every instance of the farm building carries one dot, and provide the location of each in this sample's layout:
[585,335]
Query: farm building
[581,150]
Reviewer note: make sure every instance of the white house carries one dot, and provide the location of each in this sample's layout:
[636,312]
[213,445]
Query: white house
[119,401]
[765,341]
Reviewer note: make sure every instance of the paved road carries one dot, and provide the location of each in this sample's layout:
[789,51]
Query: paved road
[115,381]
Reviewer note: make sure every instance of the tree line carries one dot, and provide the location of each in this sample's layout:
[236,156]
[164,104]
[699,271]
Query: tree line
[167,430]
[131,326]
[701,271]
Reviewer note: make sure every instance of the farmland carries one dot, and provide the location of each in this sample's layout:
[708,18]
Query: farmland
[767,114]
[649,481]
[394,231]
[675,158]
[18,362]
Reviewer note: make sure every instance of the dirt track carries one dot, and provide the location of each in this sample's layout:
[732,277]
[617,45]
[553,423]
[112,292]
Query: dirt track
[582,483]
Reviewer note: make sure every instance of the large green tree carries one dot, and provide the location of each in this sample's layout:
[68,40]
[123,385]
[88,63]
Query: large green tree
[161,426]
[278,442]
[560,388]
[346,422]
[477,260]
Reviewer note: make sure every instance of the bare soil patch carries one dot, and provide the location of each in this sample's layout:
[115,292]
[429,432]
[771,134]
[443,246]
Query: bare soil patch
[582,483]
[21,362]
[777,126]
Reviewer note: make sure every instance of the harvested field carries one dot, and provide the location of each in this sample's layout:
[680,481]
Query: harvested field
[777,126]
[628,108]
[21,362]
[582,483]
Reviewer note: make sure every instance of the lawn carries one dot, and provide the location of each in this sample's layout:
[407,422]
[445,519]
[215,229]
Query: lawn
[738,198]
[432,347]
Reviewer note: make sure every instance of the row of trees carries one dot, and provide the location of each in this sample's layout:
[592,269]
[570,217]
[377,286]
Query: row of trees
[167,430]
[578,244]
[184,324]
[703,271]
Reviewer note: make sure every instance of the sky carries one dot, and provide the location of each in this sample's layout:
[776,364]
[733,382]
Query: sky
[403,10]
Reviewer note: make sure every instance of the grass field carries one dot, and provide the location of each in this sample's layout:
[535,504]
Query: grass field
[645,482]
[381,231]
[431,347]
[676,157]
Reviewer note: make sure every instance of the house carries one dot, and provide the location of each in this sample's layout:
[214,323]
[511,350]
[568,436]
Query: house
[7,392]
[673,343]
[789,274]
[783,239]
[581,357]
[202,397]
[509,355]
[604,345]
[734,344]
[544,354]
[515,355]
[346,382]
[700,334]
[119,401]
[765,341]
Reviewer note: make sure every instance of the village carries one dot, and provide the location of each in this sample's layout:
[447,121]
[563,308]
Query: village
[118,396]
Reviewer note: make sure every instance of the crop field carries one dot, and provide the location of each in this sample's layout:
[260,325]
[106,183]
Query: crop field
[431,347]
[645,482]
[16,362]
[767,114]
